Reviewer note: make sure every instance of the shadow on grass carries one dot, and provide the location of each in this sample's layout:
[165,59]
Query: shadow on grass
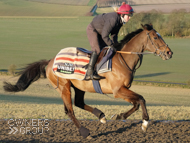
[58,100]
[152,75]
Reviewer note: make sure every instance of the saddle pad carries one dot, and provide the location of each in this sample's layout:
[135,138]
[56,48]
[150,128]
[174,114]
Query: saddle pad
[69,63]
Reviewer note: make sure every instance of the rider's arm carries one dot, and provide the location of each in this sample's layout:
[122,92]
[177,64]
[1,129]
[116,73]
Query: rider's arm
[108,26]
[115,37]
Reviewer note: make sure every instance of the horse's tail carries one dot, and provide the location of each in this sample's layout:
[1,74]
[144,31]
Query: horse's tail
[28,75]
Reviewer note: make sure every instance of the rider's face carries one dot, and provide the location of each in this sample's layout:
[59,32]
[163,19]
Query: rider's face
[126,17]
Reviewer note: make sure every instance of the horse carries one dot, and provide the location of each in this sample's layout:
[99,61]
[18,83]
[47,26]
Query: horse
[116,82]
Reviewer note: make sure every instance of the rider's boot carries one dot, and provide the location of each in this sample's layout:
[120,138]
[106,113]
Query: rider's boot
[90,74]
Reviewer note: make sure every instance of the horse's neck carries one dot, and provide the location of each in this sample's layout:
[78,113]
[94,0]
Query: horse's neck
[136,44]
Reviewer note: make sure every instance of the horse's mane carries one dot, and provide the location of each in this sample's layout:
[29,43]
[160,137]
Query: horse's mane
[126,39]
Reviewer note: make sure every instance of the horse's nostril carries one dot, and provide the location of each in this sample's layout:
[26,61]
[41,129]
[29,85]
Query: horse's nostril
[169,53]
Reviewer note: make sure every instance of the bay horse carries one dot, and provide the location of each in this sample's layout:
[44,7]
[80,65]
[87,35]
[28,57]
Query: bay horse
[116,82]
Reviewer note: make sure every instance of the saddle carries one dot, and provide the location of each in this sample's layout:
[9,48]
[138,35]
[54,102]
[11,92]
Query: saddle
[70,62]
[102,54]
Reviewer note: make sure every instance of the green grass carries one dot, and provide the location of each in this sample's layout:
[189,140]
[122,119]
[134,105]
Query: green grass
[25,40]
[92,2]
[66,2]
[104,10]
[31,31]
[28,8]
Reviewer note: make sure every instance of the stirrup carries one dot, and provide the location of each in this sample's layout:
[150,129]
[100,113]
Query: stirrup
[94,77]
[97,77]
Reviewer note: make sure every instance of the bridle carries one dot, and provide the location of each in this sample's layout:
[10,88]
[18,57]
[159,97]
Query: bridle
[126,65]
[157,48]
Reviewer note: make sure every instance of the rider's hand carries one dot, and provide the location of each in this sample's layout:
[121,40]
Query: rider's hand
[113,48]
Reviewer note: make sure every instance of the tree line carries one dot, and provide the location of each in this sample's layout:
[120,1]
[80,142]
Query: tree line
[175,24]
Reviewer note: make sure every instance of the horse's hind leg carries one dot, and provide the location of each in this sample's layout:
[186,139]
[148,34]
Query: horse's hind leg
[79,102]
[136,100]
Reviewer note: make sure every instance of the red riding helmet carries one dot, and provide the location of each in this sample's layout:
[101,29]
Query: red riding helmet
[125,9]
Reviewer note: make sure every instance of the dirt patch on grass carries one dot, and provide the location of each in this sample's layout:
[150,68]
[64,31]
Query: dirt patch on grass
[112,131]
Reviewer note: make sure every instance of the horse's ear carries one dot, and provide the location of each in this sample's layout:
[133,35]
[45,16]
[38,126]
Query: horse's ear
[143,26]
[151,25]
[147,26]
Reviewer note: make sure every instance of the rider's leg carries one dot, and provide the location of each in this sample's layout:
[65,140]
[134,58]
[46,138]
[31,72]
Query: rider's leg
[93,39]
[91,75]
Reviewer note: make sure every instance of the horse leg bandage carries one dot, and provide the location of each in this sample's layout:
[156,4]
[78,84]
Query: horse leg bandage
[98,113]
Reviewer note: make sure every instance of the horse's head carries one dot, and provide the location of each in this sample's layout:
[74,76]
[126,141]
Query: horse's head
[156,44]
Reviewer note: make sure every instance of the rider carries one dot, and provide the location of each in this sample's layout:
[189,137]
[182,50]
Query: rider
[98,32]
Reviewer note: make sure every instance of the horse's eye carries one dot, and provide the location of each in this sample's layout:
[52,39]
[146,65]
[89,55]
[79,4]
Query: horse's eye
[155,38]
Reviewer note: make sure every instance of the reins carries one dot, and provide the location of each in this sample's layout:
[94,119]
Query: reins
[137,53]
[140,54]
[123,62]
[126,65]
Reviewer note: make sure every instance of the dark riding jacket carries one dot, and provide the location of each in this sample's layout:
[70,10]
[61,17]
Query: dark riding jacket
[106,24]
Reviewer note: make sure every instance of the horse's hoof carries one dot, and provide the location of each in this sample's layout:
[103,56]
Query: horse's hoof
[89,137]
[103,120]
[144,125]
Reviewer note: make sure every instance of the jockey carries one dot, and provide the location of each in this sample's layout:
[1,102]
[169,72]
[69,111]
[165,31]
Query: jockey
[98,32]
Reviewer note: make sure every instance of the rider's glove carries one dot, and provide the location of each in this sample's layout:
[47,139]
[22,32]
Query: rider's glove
[113,48]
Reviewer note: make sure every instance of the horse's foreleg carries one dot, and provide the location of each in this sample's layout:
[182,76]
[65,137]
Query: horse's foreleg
[79,102]
[66,97]
[136,100]
[63,86]
[64,90]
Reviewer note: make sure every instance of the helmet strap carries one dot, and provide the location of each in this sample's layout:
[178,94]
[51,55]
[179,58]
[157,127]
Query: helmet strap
[122,19]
